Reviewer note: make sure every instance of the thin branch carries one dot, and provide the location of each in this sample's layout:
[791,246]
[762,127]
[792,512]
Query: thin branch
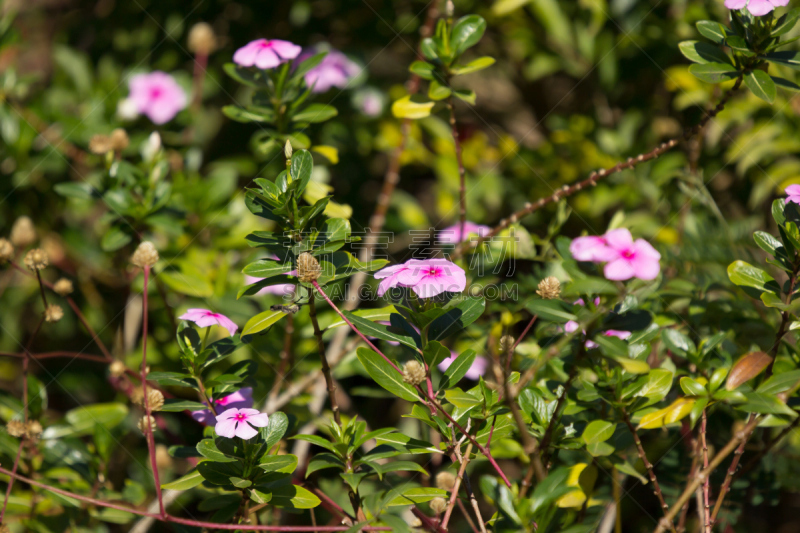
[706,510]
[11,481]
[326,369]
[462,187]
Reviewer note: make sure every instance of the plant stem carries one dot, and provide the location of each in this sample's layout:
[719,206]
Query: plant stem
[462,186]
[326,369]
[704,444]
[148,429]
[11,480]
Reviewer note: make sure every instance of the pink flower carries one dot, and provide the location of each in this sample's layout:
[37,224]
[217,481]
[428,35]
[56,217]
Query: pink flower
[156,95]
[430,277]
[265,54]
[628,258]
[282,289]
[793,192]
[451,234]
[589,248]
[239,422]
[757,8]
[243,398]
[389,275]
[205,318]
[476,370]
[335,70]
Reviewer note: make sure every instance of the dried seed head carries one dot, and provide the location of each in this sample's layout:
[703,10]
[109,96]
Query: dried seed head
[23,233]
[413,373]
[202,39]
[53,313]
[15,428]
[307,268]
[137,396]
[33,429]
[117,369]
[549,288]
[142,424]
[155,399]
[6,251]
[438,505]
[4,529]
[119,140]
[36,259]
[506,343]
[63,287]
[100,144]
[287,149]
[145,255]
[445,481]
[163,459]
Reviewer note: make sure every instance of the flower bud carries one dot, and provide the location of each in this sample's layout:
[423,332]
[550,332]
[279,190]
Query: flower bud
[142,424]
[36,259]
[506,343]
[449,9]
[117,369]
[155,399]
[100,144]
[413,373]
[127,109]
[308,269]
[6,251]
[23,233]
[202,40]
[15,428]
[119,140]
[151,147]
[438,505]
[145,255]
[33,429]
[445,481]
[287,149]
[53,313]
[63,287]
[549,288]
[137,396]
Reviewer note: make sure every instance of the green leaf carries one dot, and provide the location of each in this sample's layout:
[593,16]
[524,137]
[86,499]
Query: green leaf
[473,66]
[82,191]
[744,274]
[266,268]
[712,30]
[422,69]
[676,341]
[284,464]
[171,378]
[187,279]
[598,431]
[379,331]
[386,376]
[174,405]
[294,497]
[315,113]
[262,321]
[84,419]
[243,115]
[300,170]
[713,72]
[551,310]
[701,52]
[466,95]
[786,57]
[780,382]
[437,91]
[220,473]
[634,366]
[322,461]
[768,243]
[408,444]
[467,31]
[461,399]
[114,239]
[457,369]
[416,495]
[785,84]
[761,85]
[461,311]
[434,353]
[759,402]
[373,315]
[208,449]
[259,496]
[275,429]
[316,439]
[692,387]
[786,22]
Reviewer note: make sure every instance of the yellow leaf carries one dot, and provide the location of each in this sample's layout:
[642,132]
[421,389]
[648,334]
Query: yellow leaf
[679,409]
[583,479]
[328,152]
[653,420]
[405,108]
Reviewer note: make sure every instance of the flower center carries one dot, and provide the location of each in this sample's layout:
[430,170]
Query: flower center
[155,92]
[628,254]
[434,272]
[240,417]
[266,44]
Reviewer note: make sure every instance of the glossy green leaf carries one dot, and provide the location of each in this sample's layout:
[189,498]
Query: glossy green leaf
[457,369]
[315,113]
[467,31]
[386,376]
[598,431]
[761,85]
[702,52]
[416,495]
[262,321]
[713,72]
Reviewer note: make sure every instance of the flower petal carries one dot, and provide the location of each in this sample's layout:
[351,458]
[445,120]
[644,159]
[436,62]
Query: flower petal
[245,431]
[260,420]
[226,428]
[619,269]
[230,413]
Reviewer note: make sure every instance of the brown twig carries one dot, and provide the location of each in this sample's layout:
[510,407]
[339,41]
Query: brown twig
[326,369]
[706,484]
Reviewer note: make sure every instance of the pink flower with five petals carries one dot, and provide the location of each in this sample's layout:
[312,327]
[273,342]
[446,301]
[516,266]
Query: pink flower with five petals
[389,275]
[239,423]
[431,277]
[265,54]
[793,194]
[205,318]
[757,8]
[242,398]
[156,95]
[628,258]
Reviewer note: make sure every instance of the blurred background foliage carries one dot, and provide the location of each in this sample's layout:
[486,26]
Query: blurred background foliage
[578,86]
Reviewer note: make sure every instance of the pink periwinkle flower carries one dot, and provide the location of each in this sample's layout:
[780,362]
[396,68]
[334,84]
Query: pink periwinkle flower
[335,70]
[431,277]
[476,369]
[241,399]
[370,102]
[452,234]
[793,194]
[157,95]
[628,258]
[281,289]
[239,423]
[265,54]
[389,275]
[757,8]
[205,318]
[590,248]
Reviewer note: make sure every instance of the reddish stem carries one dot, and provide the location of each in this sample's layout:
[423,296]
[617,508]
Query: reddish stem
[11,481]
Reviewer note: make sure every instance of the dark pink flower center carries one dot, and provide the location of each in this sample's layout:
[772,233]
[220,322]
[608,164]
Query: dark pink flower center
[266,44]
[628,254]
[434,272]
[155,92]
[240,417]
[223,401]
